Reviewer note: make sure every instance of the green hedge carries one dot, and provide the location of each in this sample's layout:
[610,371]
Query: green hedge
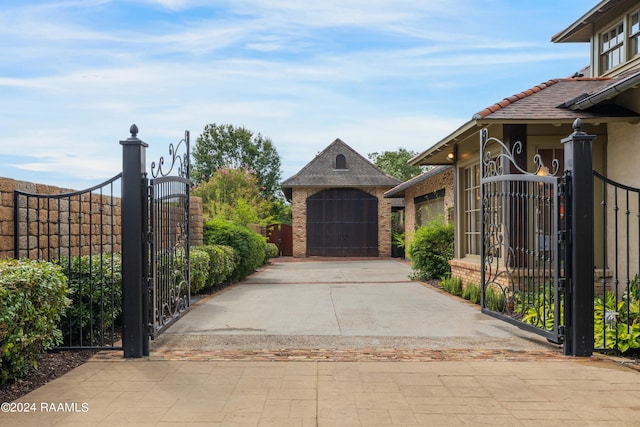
[33,296]
[222,263]
[199,269]
[431,249]
[95,285]
[272,251]
[250,246]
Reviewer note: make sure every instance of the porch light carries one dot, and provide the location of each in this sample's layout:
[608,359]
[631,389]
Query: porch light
[451,156]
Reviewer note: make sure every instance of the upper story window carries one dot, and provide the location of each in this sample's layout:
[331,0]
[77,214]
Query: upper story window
[612,47]
[341,162]
[634,34]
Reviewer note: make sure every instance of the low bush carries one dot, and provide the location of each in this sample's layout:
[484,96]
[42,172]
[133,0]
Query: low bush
[250,246]
[431,249]
[222,263]
[453,285]
[198,269]
[472,292]
[33,296]
[272,251]
[95,285]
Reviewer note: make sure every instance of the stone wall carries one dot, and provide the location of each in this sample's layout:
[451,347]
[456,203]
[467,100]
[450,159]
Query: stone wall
[74,225]
[299,220]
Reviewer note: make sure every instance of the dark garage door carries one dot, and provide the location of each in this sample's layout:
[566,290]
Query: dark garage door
[342,222]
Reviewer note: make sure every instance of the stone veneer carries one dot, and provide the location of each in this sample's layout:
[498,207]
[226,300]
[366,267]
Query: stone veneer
[299,223]
[76,233]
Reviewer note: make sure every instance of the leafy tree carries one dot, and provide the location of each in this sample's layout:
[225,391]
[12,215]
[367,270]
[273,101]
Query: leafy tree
[227,146]
[233,194]
[395,163]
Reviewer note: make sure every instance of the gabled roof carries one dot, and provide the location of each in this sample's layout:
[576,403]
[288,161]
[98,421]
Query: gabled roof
[582,29]
[399,190]
[322,172]
[554,101]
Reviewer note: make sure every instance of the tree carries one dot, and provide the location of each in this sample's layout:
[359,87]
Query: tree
[395,163]
[227,146]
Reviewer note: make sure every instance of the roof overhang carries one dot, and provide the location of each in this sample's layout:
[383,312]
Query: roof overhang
[582,29]
[438,154]
[609,92]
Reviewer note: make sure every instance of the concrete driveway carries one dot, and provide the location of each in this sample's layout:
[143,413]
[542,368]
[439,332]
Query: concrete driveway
[340,304]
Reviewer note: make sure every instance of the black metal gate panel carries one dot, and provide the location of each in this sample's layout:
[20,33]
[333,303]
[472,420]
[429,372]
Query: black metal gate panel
[342,222]
[522,247]
[169,286]
[79,231]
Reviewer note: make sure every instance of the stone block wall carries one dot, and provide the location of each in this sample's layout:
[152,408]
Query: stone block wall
[299,220]
[77,225]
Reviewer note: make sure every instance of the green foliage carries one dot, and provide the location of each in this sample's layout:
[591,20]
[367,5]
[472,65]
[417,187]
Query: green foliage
[234,195]
[472,292]
[222,263]
[95,285]
[250,247]
[395,163]
[617,323]
[494,299]
[453,285]
[227,146]
[198,269]
[272,251]
[431,249]
[33,296]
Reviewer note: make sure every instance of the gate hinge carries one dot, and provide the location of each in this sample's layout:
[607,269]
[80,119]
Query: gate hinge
[562,236]
[562,284]
[561,188]
[561,332]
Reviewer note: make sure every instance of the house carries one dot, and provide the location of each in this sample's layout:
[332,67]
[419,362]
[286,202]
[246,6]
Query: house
[338,205]
[605,95]
[426,197]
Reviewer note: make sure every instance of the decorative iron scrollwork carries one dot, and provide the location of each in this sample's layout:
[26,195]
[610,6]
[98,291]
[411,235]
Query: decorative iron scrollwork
[179,160]
[494,165]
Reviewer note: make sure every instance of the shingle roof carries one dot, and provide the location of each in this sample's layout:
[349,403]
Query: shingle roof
[322,172]
[399,190]
[542,103]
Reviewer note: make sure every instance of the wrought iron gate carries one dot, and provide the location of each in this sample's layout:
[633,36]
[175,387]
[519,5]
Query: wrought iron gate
[168,231]
[522,251]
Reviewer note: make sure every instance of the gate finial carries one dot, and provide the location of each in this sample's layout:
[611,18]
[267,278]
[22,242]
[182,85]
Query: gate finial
[577,125]
[133,130]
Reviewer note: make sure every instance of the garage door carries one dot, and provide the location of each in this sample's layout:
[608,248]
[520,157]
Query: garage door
[342,222]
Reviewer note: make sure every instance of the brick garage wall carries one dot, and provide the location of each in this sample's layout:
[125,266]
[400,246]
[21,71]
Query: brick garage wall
[94,225]
[430,185]
[299,221]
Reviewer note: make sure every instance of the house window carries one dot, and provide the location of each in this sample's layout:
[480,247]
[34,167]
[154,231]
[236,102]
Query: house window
[471,216]
[634,34]
[612,47]
[429,207]
[341,162]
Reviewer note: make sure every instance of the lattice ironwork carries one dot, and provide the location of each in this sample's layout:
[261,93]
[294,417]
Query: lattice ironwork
[169,203]
[521,251]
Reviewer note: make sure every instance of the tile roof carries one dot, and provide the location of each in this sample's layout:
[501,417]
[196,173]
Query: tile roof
[321,171]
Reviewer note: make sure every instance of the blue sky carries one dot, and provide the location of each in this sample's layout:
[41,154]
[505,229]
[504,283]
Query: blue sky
[379,74]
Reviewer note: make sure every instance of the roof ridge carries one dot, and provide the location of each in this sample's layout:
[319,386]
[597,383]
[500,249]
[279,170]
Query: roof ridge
[525,93]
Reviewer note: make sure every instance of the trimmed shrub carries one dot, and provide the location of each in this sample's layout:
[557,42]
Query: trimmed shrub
[95,285]
[198,269]
[222,263]
[250,246]
[33,296]
[431,249]
[272,251]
